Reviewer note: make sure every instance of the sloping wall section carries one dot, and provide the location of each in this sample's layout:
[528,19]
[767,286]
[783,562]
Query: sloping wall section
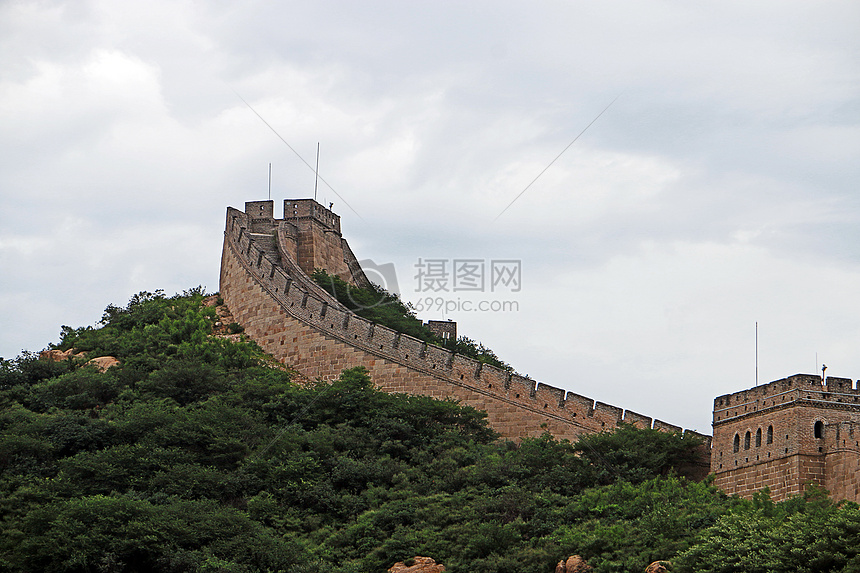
[298,323]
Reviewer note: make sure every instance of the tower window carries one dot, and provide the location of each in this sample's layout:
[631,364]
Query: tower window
[737,444]
[747,440]
[818,429]
[758,438]
[770,434]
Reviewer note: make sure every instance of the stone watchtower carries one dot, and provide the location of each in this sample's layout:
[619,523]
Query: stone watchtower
[309,234]
[444,329]
[786,434]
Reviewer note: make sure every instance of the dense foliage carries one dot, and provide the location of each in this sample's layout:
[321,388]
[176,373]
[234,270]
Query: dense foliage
[377,304]
[197,453]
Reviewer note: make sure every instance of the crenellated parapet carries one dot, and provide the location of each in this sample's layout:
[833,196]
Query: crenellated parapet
[298,322]
[834,393]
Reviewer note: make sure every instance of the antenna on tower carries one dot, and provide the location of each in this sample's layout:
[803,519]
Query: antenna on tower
[317,171]
[756,353]
[270,181]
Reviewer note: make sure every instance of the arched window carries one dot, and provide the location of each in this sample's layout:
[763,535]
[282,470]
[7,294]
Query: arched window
[770,434]
[758,438]
[737,444]
[818,429]
[747,440]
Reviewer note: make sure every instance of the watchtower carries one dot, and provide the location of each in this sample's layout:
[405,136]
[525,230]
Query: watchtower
[444,329]
[786,434]
[309,234]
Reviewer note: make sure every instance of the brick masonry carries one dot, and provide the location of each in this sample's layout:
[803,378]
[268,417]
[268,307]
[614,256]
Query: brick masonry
[270,294]
[786,434]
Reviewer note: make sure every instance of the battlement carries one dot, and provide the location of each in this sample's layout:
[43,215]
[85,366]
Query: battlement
[296,209]
[285,312]
[781,393]
[309,234]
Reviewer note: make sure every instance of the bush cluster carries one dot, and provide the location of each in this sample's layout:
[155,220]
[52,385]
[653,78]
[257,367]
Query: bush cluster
[197,453]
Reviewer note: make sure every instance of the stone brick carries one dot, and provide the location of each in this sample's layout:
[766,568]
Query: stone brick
[271,295]
[785,434]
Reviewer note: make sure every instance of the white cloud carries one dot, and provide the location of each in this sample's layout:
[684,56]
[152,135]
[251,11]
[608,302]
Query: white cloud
[718,190]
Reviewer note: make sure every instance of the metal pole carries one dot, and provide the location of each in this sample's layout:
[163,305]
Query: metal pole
[270,181]
[317,171]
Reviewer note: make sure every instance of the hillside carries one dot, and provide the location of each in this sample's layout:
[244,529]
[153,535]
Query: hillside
[200,453]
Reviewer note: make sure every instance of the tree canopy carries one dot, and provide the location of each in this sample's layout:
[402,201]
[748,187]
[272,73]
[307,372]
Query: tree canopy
[199,453]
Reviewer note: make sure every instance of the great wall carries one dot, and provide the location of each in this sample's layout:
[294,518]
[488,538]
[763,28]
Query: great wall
[786,434]
[265,282]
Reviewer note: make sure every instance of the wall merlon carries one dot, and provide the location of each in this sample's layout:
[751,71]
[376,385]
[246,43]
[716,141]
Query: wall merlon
[608,413]
[409,347]
[336,319]
[550,394]
[314,307]
[462,367]
[705,437]
[578,403]
[260,209]
[665,427]
[438,358]
[638,420]
[834,384]
[494,379]
[267,267]
[521,385]
[384,338]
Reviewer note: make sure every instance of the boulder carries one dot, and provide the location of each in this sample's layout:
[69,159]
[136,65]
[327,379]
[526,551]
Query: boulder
[573,564]
[60,355]
[103,362]
[420,565]
[576,564]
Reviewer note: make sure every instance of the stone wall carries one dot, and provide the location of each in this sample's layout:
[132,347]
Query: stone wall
[842,460]
[301,325]
[788,433]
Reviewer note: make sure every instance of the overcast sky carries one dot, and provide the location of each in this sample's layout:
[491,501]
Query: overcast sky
[720,189]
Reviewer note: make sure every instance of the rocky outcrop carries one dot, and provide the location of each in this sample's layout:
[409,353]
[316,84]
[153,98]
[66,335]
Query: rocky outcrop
[60,355]
[224,327]
[419,565]
[659,567]
[573,564]
[102,363]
